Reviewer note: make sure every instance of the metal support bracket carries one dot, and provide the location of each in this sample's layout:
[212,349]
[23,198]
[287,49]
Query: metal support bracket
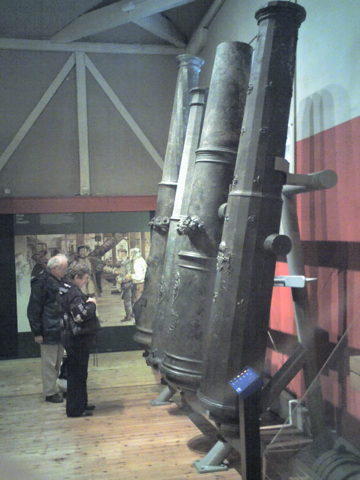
[281,165]
[213,461]
[164,397]
[299,183]
[293,281]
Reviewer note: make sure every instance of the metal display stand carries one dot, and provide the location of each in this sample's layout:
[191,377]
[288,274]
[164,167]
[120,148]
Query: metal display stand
[213,461]
[250,445]
[164,397]
[305,329]
[250,408]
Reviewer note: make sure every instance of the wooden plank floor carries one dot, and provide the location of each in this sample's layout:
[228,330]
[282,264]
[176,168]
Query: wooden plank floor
[126,438]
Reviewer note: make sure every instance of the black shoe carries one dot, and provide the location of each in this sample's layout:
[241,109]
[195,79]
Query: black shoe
[89,408]
[54,398]
[64,394]
[84,414]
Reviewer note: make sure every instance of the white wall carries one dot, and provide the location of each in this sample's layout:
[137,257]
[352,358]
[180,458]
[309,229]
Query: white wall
[328,57]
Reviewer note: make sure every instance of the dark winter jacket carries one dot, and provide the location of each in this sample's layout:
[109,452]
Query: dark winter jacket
[43,310]
[73,302]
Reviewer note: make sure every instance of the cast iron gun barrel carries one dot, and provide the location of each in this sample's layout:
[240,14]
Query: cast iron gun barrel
[188,78]
[237,331]
[199,232]
[181,204]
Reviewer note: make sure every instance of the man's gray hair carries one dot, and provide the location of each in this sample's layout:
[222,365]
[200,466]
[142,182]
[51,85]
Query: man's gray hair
[56,261]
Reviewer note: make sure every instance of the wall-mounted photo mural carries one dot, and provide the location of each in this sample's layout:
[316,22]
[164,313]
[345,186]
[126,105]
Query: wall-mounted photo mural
[117,263]
[117,260]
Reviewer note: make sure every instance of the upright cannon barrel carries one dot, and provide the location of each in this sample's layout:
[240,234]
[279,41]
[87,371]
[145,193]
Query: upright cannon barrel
[193,270]
[181,204]
[237,331]
[188,78]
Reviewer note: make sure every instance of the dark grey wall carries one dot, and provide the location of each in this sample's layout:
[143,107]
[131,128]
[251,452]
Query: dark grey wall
[8,330]
[46,163]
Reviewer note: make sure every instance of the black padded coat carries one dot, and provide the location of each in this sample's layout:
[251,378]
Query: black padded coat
[43,310]
[73,302]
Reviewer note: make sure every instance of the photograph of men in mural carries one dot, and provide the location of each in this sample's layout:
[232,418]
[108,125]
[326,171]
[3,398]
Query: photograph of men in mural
[124,283]
[40,258]
[130,279]
[82,257]
[117,277]
[138,274]
[22,269]
[99,267]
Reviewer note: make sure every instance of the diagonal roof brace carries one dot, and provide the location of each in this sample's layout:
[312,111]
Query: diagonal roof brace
[124,112]
[34,115]
[112,16]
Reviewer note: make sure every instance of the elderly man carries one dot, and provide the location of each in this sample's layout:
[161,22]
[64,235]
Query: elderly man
[44,318]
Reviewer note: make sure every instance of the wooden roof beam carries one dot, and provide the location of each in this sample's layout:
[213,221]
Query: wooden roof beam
[112,16]
[88,47]
[163,28]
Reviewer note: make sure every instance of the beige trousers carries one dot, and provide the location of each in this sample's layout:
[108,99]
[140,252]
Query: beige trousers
[138,289]
[51,357]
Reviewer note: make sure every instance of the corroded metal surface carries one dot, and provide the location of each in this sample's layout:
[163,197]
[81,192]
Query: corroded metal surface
[199,232]
[181,205]
[237,330]
[188,77]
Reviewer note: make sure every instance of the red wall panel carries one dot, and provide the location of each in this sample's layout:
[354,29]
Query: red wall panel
[330,231]
[332,214]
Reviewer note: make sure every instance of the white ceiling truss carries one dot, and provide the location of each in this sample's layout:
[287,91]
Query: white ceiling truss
[29,122]
[145,13]
[88,47]
[148,14]
[82,62]
[123,12]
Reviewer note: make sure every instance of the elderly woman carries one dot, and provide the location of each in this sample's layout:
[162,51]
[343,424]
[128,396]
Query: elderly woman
[79,327]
